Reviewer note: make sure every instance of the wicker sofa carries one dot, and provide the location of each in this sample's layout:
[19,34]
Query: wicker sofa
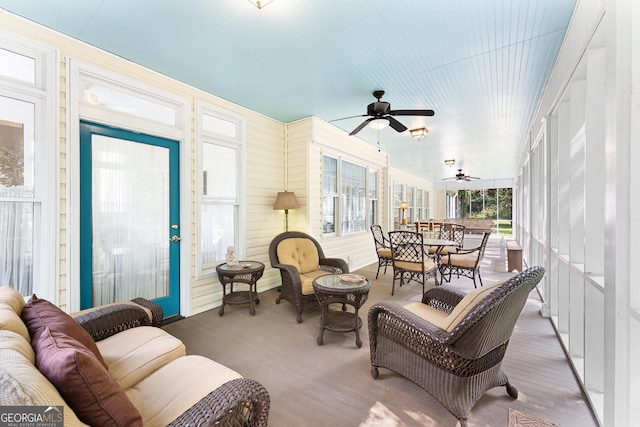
[111,366]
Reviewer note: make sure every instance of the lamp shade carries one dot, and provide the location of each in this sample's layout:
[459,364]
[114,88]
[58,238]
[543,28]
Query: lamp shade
[404,205]
[286,200]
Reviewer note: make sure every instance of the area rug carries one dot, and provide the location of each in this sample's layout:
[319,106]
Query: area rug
[519,419]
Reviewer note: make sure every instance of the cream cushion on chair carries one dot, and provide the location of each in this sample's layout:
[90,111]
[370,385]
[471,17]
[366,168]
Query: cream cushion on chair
[449,321]
[463,260]
[384,253]
[303,255]
[414,266]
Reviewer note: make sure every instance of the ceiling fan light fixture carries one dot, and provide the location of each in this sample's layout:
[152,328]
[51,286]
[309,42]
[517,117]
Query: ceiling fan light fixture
[419,133]
[379,123]
[260,3]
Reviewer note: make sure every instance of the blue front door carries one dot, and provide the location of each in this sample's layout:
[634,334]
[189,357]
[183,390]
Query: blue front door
[129,220]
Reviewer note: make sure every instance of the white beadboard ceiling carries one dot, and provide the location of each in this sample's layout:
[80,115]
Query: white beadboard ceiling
[482,65]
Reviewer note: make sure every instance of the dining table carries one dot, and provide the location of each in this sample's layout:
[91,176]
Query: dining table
[439,244]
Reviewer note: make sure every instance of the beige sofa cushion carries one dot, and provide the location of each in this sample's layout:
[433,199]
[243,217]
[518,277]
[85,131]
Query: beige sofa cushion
[11,304]
[189,379]
[299,252]
[133,354]
[21,383]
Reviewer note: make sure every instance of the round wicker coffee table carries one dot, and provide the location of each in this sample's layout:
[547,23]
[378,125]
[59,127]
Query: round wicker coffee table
[344,289]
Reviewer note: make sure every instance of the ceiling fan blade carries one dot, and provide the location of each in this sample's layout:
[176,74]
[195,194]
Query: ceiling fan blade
[399,127]
[451,177]
[411,113]
[350,117]
[362,125]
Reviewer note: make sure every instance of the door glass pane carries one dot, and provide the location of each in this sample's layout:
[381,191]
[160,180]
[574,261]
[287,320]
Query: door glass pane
[130,219]
[16,252]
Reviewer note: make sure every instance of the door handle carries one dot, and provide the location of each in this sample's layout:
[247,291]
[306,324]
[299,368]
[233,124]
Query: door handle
[175,238]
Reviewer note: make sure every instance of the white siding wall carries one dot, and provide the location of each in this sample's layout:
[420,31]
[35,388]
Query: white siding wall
[265,159]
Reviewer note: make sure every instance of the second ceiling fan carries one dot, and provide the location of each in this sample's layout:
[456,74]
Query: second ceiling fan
[381,110]
[461,177]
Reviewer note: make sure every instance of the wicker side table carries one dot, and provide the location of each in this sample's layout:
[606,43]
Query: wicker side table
[331,289]
[247,272]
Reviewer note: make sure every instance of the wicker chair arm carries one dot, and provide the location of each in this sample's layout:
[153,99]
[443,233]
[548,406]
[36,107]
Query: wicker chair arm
[239,402]
[290,270]
[104,321]
[444,298]
[402,322]
[335,262]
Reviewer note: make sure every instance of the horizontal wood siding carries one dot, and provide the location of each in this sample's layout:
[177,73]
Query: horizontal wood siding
[264,161]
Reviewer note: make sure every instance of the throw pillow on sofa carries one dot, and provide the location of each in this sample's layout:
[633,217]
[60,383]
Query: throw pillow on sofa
[83,382]
[39,314]
[69,358]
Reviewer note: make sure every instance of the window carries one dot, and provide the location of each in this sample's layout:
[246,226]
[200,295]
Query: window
[373,198]
[357,191]
[27,181]
[419,205]
[410,215]
[353,197]
[220,184]
[329,193]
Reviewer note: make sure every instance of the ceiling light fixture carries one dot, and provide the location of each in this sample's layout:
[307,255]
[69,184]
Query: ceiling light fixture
[450,162]
[419,133]
[260,4]
[379,123]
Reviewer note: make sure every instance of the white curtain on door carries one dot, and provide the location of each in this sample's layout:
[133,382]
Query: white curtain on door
[16,247]
[130,215]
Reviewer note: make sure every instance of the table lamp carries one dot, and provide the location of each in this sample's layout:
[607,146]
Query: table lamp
[403,207]
[286,200]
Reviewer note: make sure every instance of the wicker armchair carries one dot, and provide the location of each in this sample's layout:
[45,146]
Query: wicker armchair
[383,248]
[410,262]
[465,262]
[450,344]
[298,269]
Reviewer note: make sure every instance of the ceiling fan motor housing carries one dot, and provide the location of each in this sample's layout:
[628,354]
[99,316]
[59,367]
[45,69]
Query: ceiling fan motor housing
[378,108]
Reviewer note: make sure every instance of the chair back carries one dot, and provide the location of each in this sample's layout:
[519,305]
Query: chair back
[489,324]
[275,243]
[381,241]
[483,245]
[453,232]
[406,247]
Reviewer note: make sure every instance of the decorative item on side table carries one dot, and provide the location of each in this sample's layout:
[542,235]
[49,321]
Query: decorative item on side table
[345,289]
[247,272]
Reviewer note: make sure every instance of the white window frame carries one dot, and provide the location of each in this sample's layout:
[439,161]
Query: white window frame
[239,143]
[43,93]
[369,167]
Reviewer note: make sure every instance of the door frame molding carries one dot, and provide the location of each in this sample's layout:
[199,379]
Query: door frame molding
[77,72]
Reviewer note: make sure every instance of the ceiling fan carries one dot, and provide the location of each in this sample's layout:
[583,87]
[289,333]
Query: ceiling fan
[461,177]
[381,115]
